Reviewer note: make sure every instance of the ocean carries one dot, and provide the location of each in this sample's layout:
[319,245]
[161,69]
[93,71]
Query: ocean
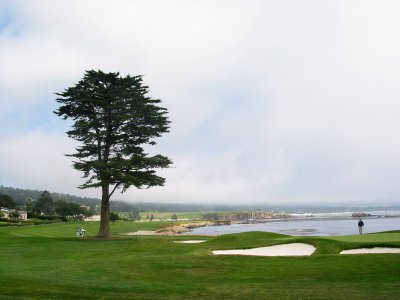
[321,224]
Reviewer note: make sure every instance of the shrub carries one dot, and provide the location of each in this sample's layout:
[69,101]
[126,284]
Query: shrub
[50,218]
[39,221]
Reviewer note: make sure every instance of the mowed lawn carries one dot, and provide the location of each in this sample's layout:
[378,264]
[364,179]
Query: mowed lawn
[49,262]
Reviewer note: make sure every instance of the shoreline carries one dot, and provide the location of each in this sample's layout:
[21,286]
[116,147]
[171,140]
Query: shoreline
[311,226]
[298,225]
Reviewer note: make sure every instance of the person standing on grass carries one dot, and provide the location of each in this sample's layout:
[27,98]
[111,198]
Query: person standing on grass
[360,226]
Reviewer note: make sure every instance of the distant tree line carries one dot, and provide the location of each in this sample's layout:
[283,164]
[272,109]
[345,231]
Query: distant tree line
[6,201]
[21,196]
[46,205]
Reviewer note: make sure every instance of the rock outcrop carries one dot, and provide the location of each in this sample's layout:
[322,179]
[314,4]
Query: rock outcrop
[360,215]
[181,228]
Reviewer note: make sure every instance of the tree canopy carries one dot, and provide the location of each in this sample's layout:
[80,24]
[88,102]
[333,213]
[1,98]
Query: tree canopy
[70,209]
[44,204]
[6,201]
[113,119]
[114,216]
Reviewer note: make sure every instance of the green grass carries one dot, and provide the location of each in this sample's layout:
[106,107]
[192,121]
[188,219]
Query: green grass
[49,262]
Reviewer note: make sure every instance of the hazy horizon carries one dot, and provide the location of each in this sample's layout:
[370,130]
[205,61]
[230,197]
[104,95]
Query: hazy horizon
[273,102]
[249,206]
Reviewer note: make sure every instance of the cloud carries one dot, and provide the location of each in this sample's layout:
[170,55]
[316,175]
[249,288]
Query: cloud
[36,160]
[270,101]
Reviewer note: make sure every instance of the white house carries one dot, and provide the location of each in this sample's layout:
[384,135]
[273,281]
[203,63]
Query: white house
[94,218]
[23,215]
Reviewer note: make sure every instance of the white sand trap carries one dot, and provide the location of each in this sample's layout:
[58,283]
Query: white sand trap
[294,249]
[376,250]
[190,241]
[142,232]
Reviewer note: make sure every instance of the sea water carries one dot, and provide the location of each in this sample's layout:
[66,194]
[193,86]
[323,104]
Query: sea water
[328,224]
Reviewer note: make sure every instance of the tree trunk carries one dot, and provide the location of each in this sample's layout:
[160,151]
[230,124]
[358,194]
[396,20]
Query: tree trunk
[104,231]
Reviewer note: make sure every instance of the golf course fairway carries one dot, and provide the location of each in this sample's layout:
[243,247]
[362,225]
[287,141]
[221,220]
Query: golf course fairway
[50,262]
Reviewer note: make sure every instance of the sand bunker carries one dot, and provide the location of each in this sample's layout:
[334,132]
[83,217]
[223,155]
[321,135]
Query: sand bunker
[142,232]
[376,250]
[294,249]
[190,241]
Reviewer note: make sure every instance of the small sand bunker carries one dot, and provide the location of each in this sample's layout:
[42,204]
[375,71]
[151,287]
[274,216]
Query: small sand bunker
[142,232]
[294,249]
[376,250]
[190,241]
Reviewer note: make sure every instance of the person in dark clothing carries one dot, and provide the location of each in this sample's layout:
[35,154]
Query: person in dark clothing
[360,226]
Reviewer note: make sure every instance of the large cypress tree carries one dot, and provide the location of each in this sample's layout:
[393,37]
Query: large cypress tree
[113,119]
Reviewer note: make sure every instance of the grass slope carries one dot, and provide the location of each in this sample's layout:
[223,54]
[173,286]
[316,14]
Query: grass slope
[48,262]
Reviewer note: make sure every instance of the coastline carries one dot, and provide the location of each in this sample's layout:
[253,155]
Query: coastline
[321,224]
[324,224]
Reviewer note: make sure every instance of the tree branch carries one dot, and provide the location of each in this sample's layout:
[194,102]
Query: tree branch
[112,192]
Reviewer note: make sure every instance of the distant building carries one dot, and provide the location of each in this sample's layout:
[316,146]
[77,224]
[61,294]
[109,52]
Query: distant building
[95,218]
[5,212]
[23,215]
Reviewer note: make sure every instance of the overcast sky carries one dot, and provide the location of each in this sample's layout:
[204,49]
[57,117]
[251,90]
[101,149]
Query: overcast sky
[272,102]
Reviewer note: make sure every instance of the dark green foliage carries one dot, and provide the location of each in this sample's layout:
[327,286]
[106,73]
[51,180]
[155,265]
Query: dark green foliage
[174,217]
[30,207]
[70,209]
[36,220]
[13,222]
[25,198]
[6,201]
[14,215]
[44,204]
[40,220]
[113,119]
[51,218]
[20,195]
[114,216]
[43,219]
